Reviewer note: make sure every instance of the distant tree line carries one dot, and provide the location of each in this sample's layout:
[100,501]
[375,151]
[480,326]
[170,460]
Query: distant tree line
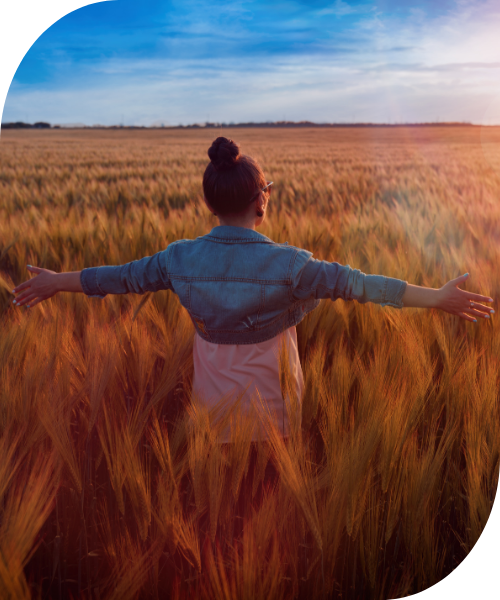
[311,124]
[44,125]
[21,125]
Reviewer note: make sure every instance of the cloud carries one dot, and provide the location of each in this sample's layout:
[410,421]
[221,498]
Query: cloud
[340,9]
[241,61]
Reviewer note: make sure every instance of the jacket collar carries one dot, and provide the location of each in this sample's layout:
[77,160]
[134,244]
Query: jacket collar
[228,233]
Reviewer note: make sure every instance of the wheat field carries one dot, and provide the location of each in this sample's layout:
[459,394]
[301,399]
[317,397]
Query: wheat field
[390,473]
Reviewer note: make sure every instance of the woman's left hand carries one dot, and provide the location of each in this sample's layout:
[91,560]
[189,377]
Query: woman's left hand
[39,288]
[461,303]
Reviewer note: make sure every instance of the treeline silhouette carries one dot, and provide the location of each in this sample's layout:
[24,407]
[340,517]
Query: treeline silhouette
[44,125]
[21,125]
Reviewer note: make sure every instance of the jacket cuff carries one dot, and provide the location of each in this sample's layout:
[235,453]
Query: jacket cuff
[394,292]
[88,280]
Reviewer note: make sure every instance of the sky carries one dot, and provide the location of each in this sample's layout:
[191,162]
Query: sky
[192,61]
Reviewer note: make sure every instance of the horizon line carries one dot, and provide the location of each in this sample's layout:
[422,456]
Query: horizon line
[249,124]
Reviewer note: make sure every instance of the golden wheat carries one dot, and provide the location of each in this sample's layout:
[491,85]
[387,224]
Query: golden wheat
[112,483]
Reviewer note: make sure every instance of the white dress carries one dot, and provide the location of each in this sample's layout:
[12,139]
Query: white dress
[227,370]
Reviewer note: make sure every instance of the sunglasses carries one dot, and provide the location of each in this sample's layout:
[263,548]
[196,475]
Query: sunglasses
[266,187]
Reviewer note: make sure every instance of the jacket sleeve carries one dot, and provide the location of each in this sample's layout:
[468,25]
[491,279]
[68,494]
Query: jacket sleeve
[323,279]
[148,274]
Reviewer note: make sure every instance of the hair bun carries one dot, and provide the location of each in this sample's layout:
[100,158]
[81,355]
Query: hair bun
[224,153]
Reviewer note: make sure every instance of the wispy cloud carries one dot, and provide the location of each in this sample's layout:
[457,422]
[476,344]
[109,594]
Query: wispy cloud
[340,9]
[239,61]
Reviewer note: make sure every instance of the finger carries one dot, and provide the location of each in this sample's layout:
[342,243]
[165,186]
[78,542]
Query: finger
[478,297]
[22,286]
[477,313]
[26,300]
[24,295]
[467,317]
[35,269]
[481,308]
[460,279]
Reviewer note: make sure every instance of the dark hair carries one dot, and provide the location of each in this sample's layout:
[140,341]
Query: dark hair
[231,179]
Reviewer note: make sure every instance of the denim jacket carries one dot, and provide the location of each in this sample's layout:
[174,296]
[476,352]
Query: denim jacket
[240,287]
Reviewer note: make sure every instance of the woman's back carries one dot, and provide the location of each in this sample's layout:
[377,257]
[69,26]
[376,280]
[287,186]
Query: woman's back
[239,286]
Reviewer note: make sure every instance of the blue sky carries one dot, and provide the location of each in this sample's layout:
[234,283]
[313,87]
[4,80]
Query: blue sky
[151,62]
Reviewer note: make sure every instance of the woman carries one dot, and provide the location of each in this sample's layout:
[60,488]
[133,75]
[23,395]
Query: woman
[244,292]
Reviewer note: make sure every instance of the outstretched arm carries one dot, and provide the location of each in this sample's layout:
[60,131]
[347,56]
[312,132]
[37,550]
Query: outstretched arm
[325,279]
[148,274]
[450,299]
